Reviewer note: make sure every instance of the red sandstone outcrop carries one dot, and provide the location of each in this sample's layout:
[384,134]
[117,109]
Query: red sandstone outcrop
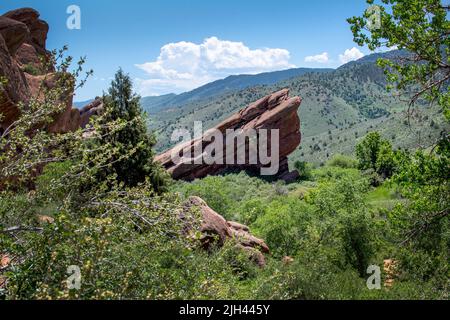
[22,47]
[93,108]
[275,111]
[216,230]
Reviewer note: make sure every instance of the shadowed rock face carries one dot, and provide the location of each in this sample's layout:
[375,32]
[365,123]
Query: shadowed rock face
[275,111]
[22,46]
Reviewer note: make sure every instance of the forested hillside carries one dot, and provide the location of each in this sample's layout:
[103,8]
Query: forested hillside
[338,108]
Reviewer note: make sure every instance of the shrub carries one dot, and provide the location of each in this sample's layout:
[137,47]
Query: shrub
[304,169]
[342,161]
[118,262]
[31,69]
[283,225]
[376,154]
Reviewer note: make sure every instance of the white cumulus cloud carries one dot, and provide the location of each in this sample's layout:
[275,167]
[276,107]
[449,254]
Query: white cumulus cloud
[183,66]
[319,58]
[351,55]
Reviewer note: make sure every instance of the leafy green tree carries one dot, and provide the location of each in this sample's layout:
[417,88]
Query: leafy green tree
[422,28]
[422,223]
[121,103]
[345,224]
[376,155]
[386,164]
[367,151]
[283,225]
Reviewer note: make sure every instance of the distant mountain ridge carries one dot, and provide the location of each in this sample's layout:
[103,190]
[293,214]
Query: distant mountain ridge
[240,82]
[232,83]
[155,104]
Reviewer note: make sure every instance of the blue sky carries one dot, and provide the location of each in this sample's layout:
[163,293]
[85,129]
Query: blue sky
[174,45]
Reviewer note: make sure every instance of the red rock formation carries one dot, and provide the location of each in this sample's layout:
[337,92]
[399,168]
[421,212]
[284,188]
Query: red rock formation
[12,33]
[22,45]
[93,108]
[275,111]
[215,229]
[37,29]
[5,261]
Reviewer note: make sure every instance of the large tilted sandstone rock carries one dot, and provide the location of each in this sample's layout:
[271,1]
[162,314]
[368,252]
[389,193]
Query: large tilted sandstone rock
[91,109]
[216,230]
[275,111]
[22,47]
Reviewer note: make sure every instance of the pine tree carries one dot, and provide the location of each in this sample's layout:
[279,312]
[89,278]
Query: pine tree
[134,143]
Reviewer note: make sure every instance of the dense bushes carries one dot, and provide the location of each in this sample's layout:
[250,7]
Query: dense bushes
[233,196]
[330,230]
[132,248]
[283,225]
[331,239]
[293,227]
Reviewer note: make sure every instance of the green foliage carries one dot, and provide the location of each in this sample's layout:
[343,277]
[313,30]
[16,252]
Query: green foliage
[345,192]
[341,202]
[330,220]
[367,151]
[375,155]
[422,28]
[122,104]
[331,234]
[116,261]
[304,169]
[31,69]
[422,223]
[283,225]
[312,276]
[342,161]
[233,196]
[385,164]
